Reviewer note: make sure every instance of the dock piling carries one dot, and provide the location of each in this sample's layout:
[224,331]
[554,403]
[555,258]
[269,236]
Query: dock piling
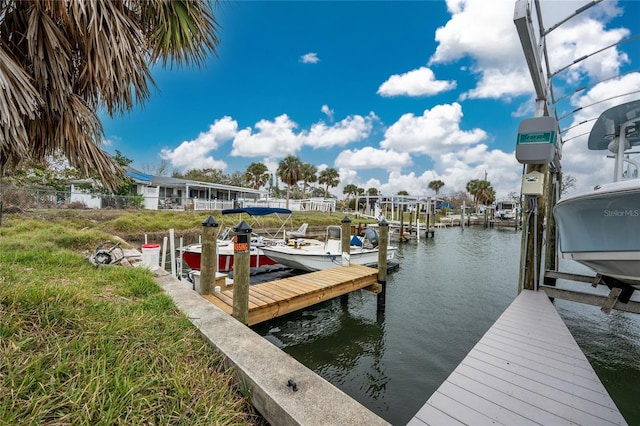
[208,264]
[241,272]
[383,234]
[345,241]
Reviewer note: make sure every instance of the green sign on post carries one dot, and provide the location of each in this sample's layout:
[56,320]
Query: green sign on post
[539,137]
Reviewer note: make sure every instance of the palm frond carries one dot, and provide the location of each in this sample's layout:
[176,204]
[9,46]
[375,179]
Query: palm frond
[77,133]
[62,60]
[18,99]
[180,31]
[111,56]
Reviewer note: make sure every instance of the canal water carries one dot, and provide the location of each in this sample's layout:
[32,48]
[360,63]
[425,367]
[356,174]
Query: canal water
[447,293]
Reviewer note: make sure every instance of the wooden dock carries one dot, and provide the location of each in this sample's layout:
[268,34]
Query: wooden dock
[527,369]
[275,298]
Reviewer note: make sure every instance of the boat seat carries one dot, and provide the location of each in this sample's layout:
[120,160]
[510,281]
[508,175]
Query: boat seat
[300,233]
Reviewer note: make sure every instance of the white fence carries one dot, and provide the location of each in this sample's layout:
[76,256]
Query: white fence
[310,204]
[27,198]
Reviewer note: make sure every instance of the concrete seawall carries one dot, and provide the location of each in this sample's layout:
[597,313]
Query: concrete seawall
[265,370]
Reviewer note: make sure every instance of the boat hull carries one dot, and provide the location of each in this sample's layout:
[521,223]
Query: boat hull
[317,260]
[601,229]
[192,257]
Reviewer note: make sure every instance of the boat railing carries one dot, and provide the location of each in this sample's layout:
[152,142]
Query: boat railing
[632,168]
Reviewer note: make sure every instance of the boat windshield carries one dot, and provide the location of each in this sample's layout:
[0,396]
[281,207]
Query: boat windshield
[334,232]
[632,167]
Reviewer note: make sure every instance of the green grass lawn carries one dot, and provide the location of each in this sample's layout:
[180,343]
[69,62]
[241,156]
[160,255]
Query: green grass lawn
[81,345]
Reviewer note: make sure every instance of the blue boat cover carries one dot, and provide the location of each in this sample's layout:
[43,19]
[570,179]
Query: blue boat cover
[257,211]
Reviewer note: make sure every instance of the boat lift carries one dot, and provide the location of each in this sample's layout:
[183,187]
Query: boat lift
[541,231]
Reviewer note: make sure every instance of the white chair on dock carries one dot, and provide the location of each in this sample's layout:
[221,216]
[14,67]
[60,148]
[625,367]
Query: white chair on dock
[300,233]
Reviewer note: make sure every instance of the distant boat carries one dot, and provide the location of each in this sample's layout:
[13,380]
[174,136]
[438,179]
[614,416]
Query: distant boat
[317,257]
[507,209]
[600,228]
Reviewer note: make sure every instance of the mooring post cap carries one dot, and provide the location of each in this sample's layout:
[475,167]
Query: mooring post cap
[243,228]
[383,222]
[346,219]
[210,221]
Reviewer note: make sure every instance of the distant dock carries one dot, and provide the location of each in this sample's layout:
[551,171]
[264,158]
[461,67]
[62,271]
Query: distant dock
[275,298]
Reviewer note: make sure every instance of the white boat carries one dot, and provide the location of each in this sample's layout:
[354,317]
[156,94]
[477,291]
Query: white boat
[507,209]
[600,228]
[314,257]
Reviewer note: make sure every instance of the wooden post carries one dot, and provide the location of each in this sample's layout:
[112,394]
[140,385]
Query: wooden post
[345,241]
[383,235]
[427,219]
[241,258]
[208,264]
[551,255]
[530,265]
[401,214]
[410,223]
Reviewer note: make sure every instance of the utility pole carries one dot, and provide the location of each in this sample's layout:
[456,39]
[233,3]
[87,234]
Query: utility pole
[530,256]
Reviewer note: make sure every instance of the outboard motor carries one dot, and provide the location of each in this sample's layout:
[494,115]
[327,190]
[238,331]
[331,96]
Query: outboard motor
[371,235]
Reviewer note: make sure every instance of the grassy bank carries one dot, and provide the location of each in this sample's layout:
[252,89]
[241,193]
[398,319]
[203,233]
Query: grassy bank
[87,345]
[134,225]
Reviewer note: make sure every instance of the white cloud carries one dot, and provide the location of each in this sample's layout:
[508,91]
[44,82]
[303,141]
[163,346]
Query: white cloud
[195,154]
[568,43]
[416,185]
[485,32]
[273,139]
[110,141]
[350,129]
[327,111]
[480,29]
[455,168]
[420,82]
[310,58]
[436,130]
[500,83]
[591,168]
[372,158]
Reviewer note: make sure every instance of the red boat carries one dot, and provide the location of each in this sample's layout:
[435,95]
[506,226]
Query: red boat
[191,254]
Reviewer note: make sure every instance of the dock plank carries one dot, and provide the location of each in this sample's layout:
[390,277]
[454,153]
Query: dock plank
[558,379]
[275,298]
[527,368]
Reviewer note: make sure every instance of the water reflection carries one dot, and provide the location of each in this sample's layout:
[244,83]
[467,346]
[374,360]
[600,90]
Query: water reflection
[447,293]
[339,339]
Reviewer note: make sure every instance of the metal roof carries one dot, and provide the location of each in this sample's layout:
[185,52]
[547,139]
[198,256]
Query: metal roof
[177,182]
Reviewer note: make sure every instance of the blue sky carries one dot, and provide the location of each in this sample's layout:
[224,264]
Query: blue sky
[392,94]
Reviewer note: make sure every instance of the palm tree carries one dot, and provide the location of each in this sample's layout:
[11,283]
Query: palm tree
[61,61]
[482,192]
[436,185]
[350,190]
[257,175]
[308,175]
[329,177]
[289,172]
[485,193]
[472,188]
